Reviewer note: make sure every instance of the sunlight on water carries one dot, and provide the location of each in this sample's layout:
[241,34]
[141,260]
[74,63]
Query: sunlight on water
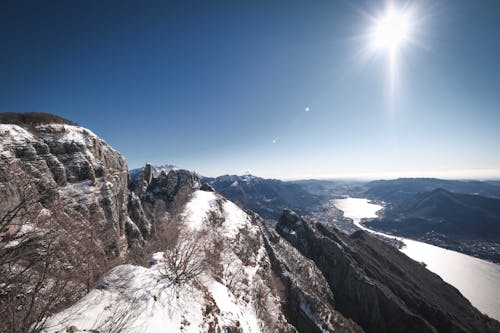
[476,279]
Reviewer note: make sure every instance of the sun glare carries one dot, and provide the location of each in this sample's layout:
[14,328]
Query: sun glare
[391,30]
[388,34]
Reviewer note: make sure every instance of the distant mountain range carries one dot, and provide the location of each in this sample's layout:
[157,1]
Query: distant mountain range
[398,191]
[267,197]
[156,170]
[464,222]
[151,250]
[463,215]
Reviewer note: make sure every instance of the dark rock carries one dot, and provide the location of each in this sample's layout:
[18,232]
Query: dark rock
[308,303]
[379,287]
[167,187]
[207,188]
[73,164]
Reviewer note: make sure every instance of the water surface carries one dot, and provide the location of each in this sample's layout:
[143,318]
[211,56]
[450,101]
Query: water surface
[476,279]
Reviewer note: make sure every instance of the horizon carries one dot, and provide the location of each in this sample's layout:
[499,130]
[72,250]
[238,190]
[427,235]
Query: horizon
[288,90]
[463,175]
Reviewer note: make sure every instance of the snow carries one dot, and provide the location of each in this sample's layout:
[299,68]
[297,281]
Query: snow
[304,307]
[138,297]
[144,301]
[235,217]
[68,133]
[14,134]
[20,235]
[196,211]
[153,303]
[231,310]
[234,184]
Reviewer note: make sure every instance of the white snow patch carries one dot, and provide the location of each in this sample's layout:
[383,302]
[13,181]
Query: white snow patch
[236,218]
[148,303]
[14,135]
[196,211]
[68,133]
[234,184]
[231,311]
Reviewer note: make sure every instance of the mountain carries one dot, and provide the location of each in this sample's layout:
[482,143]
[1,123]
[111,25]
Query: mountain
[399,190]
[155,170]
[443,216]
[86,247]
[378,286]
[329,188]
[69,164]
[235,289]
[267,197]
[66,207]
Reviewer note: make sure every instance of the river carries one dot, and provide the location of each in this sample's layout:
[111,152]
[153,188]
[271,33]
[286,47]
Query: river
[477,279]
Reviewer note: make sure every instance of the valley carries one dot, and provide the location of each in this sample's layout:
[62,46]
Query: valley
[160,246]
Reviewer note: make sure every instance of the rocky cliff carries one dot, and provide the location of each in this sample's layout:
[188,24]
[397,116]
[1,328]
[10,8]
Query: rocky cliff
[71,165]
[249,280]
[219,268]
[379,287]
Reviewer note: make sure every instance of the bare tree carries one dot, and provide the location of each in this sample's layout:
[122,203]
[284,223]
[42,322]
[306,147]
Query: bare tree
[120,316]
[184,259]
[49,254]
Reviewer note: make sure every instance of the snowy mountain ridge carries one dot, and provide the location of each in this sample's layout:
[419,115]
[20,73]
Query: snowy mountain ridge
[156,170]
[228,294]
[165,252]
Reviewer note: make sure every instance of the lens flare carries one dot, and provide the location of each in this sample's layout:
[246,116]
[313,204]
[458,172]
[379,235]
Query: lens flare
[392,30]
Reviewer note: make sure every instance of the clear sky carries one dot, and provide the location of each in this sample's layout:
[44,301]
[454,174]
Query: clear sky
[285,89]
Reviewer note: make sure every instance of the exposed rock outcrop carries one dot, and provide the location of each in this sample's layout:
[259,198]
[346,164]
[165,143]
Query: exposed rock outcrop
[308,303]
[207,187]
[297,277]
[71,164]
[252,281]
[379,287]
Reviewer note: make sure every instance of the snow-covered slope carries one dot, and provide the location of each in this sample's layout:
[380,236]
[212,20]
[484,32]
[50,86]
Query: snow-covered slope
[231,292]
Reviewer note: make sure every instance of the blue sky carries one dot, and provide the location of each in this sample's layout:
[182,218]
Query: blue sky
[222,86]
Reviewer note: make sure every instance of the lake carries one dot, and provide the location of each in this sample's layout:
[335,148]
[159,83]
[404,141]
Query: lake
[477,279]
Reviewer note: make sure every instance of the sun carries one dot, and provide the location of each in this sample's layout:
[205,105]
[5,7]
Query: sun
[389,35]
[391,30]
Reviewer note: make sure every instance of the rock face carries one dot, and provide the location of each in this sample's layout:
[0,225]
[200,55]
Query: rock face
[158,193]
[166,186]
[308,301]
[379,287]
[252,281]
[297,277]
[71,164]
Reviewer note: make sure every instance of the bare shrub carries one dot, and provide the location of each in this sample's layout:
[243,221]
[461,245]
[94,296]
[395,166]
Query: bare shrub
[185,259]
[121,316]
[32,118]
[176,207]
[166,237]
[49,255]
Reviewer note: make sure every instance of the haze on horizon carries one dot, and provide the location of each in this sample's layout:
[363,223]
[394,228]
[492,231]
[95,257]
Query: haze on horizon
[288,89]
